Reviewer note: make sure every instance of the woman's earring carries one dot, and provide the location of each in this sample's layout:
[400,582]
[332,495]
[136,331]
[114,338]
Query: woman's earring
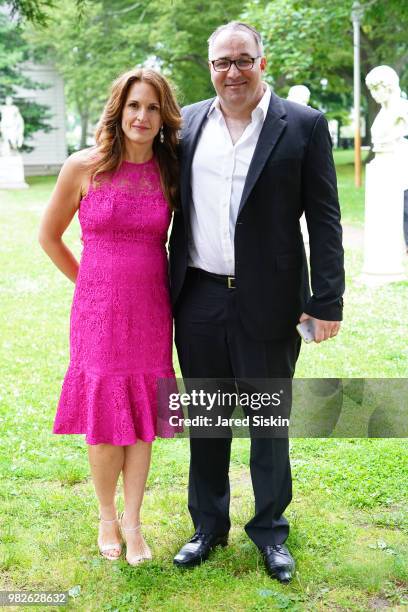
[161,135]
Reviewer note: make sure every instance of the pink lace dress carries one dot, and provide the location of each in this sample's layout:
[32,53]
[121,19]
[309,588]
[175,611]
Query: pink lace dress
[121,320]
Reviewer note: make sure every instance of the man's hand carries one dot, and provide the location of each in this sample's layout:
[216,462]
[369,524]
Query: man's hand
[323,329]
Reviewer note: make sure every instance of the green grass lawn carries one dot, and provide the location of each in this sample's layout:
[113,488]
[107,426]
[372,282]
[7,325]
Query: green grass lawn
[349,523]
[351,199]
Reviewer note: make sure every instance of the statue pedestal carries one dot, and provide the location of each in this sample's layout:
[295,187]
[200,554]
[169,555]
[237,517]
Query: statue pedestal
[12,172]
[383,230]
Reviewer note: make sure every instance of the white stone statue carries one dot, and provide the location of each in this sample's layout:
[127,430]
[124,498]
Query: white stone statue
[299,94]
[386,180]
[11,126]
[391,124]
[12,136]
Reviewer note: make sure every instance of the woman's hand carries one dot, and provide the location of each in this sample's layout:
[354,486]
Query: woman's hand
[60,211]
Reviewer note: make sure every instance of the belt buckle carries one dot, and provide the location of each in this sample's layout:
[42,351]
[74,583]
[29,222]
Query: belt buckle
[231,282]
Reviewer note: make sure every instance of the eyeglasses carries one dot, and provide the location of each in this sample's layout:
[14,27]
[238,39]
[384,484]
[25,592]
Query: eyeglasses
[243,63]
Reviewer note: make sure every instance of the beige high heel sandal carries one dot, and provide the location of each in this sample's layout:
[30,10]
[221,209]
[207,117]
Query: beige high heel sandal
[104,549]
[146,555]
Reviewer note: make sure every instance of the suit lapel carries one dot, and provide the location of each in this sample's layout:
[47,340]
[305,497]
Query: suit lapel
[271,131]
[189,141]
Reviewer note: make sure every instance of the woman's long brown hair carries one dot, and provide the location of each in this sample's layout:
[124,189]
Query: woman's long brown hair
[110,139]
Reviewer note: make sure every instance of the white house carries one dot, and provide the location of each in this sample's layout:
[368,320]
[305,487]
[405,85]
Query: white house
[50,148]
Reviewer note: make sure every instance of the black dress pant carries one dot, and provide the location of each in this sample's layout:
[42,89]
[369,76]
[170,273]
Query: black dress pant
[212,343]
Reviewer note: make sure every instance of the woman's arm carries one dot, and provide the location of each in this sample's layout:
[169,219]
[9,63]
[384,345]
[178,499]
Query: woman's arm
[59,213]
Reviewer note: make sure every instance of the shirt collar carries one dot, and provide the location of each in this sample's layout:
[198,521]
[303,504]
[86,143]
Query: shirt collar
[260,110]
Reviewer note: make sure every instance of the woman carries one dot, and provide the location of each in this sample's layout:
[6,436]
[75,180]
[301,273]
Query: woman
[121,323]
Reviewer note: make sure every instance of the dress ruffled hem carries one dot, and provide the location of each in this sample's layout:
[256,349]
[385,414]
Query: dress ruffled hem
[116,409]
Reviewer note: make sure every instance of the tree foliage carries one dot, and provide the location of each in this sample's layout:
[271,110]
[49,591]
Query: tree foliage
[310,40]
[89,51]
[179,39]
[108,38]
[30,10]
[13,52]
[92,41]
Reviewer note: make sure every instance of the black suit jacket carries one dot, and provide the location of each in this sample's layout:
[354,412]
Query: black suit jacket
[291,172]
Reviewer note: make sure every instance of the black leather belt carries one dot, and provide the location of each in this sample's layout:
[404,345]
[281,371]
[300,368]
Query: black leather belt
[228,281]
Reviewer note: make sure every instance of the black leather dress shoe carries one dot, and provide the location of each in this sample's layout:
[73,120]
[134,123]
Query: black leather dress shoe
[198,548]
[279,562]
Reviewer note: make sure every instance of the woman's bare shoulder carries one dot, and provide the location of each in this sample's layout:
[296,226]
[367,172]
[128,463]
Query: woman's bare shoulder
[80,160]
[77,169]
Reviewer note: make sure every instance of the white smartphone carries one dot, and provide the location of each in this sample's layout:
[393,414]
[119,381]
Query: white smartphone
[306,330]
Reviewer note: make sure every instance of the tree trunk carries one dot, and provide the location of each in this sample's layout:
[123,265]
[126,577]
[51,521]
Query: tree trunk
[372,111]
[84,130]
[339,124]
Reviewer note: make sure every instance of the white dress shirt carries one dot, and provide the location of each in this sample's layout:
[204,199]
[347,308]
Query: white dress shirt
[218,175]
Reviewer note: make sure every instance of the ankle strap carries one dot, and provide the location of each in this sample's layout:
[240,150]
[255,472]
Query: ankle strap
[107,520]
[128,528]
[132,528]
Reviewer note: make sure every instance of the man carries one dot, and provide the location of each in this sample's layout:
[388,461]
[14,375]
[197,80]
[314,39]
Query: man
[251,164]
